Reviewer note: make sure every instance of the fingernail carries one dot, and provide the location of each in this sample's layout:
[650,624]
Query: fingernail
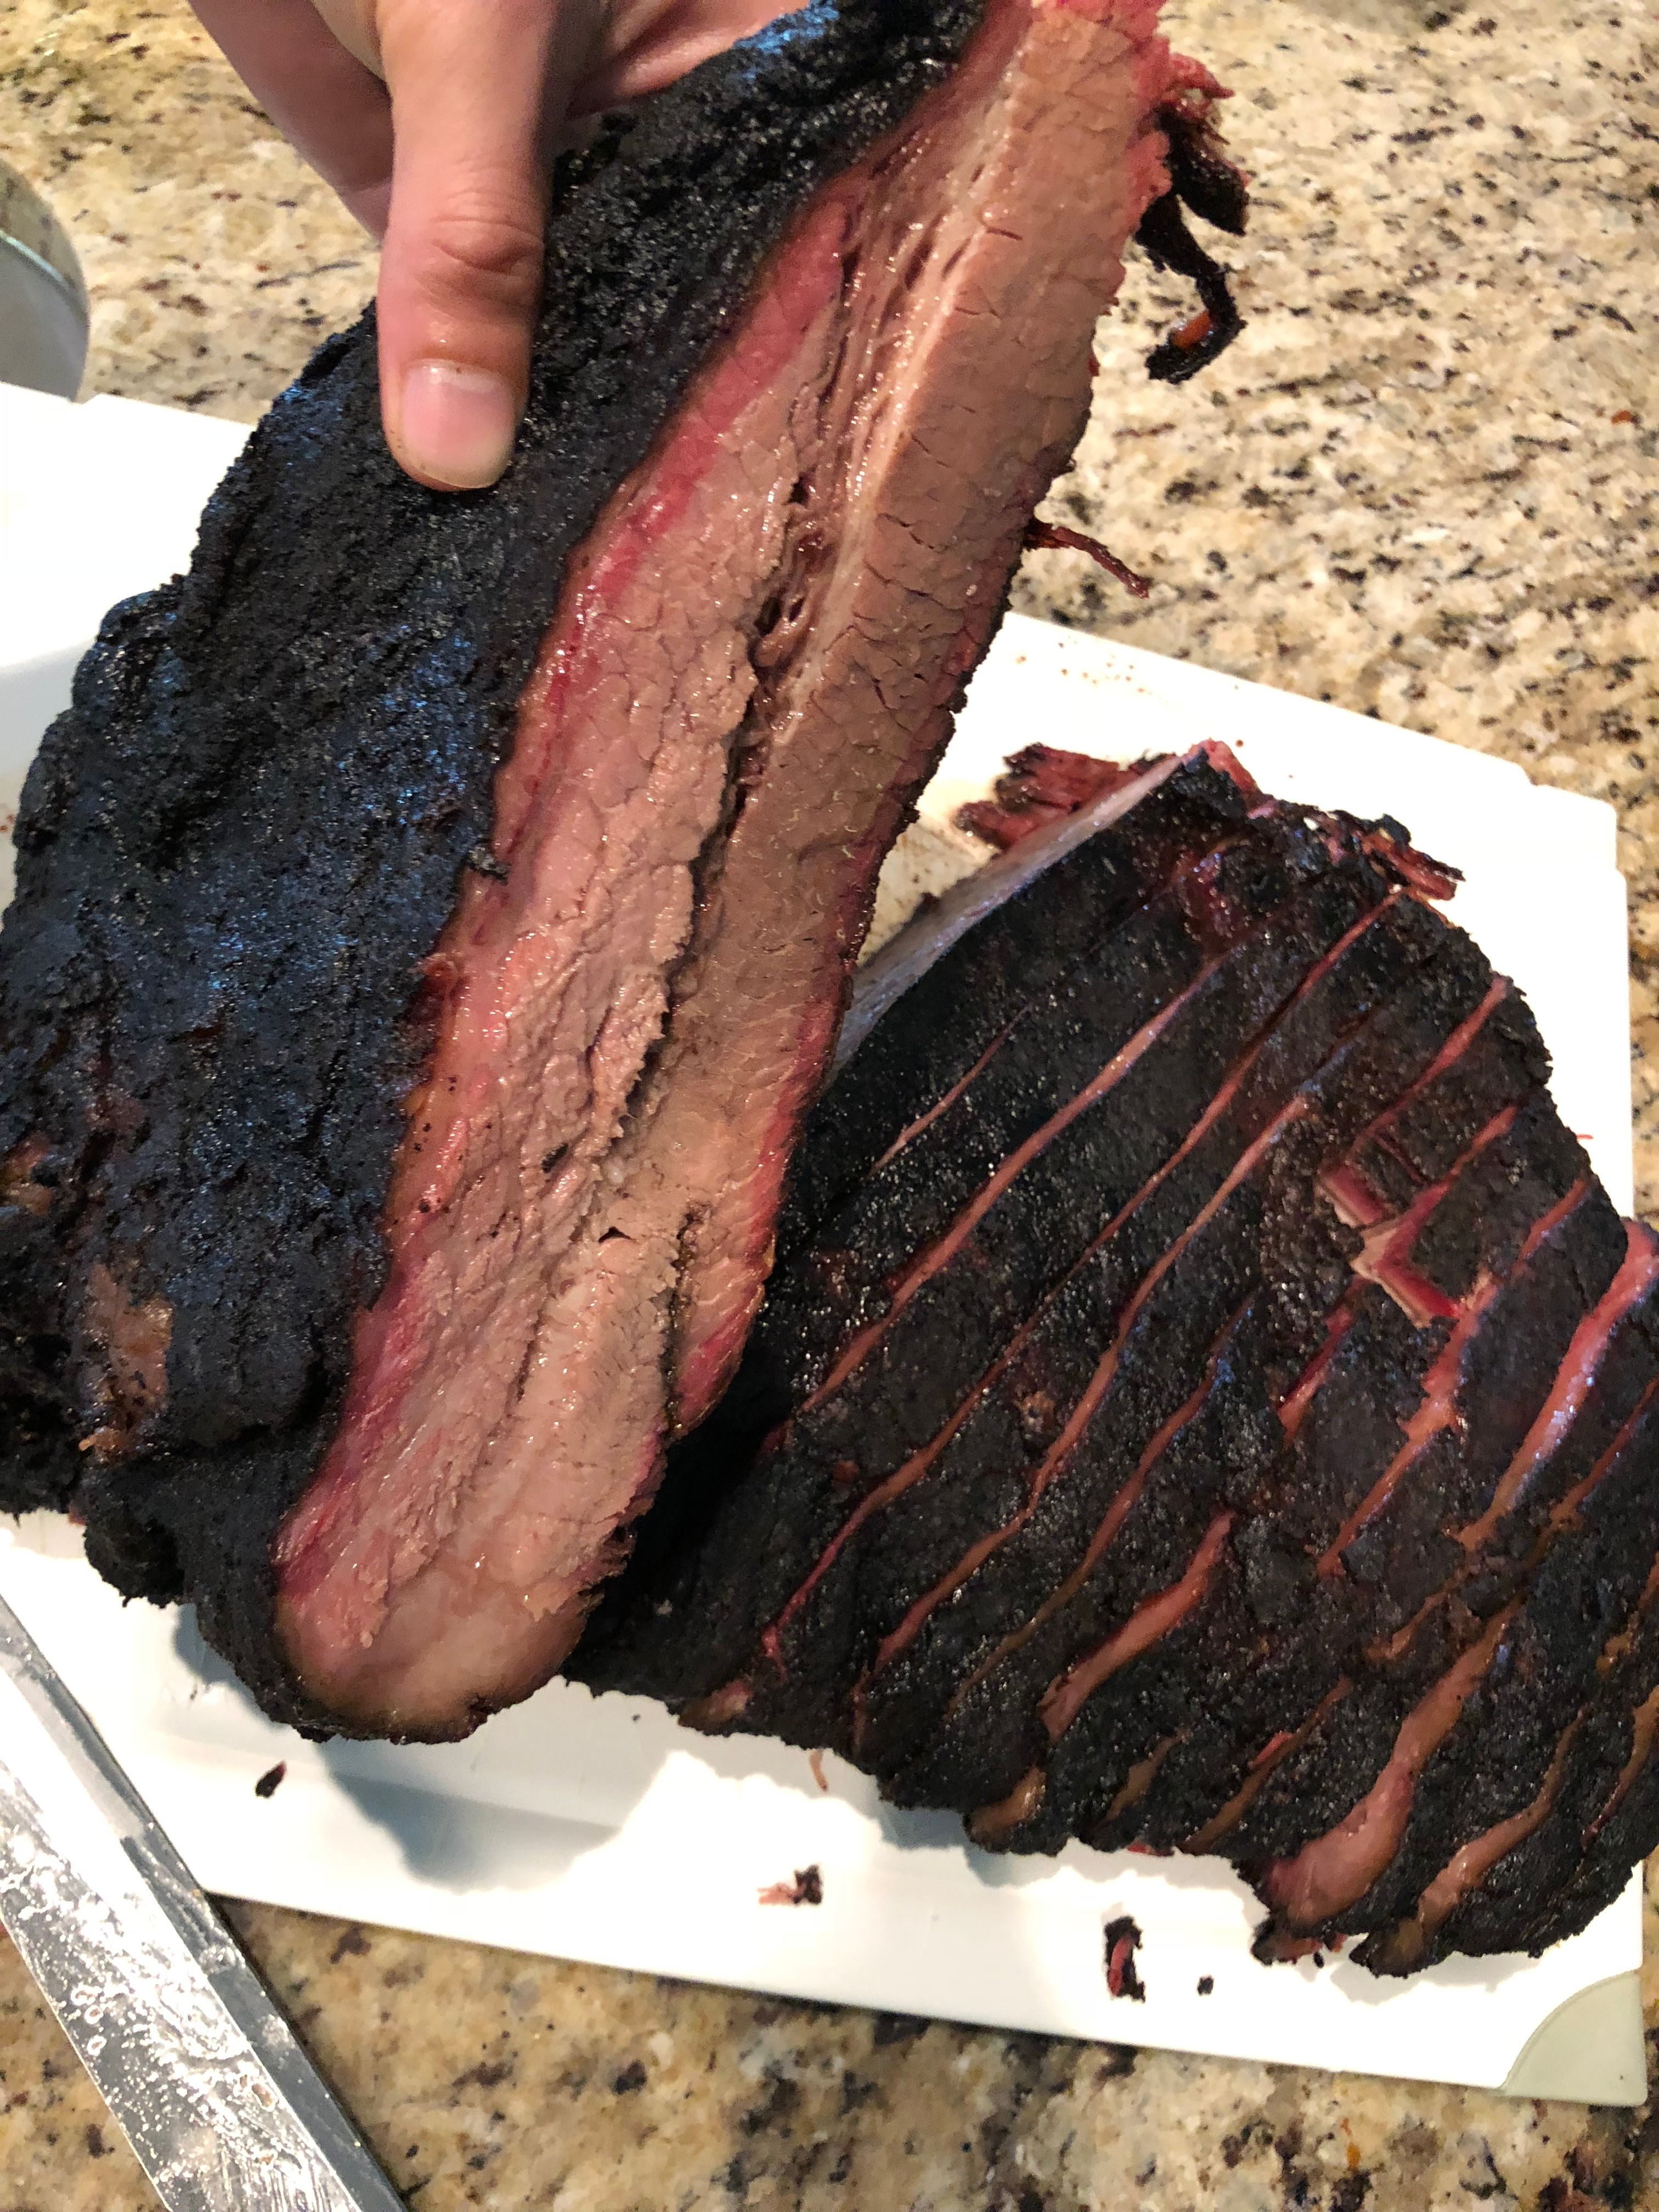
[457,425]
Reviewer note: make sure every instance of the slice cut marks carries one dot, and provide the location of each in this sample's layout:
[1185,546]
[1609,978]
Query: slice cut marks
[1210,1407]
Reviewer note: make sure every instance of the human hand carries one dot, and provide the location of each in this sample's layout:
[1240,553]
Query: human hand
[436,121]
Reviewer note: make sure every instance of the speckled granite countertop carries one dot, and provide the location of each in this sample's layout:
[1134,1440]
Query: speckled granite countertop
[1425,483]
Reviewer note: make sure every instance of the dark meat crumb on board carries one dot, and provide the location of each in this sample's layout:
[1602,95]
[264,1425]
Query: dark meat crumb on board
[806,1888]
[1123,1942]
[270,1781]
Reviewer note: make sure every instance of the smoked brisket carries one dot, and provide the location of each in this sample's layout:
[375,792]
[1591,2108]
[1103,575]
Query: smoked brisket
[1205,1401]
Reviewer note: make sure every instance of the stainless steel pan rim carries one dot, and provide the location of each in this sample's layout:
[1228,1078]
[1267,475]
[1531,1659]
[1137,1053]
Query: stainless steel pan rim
[43,296]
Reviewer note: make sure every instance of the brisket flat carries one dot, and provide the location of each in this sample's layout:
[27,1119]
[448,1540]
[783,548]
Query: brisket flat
[434,913]
[1205,1401]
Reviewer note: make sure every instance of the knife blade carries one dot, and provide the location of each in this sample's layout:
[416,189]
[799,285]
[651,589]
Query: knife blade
[191,2052]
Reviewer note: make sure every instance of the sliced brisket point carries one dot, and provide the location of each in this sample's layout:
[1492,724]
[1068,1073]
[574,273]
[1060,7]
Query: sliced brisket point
[1015,1423]
[957,1150]
[1495,1760]
[1526,1873]
[567,1223]
[1500,1239]
[1476,1391]
[1134,1646]
[994,1727]
[1035,1210]
[960,1004]
[1477,1745]
[935,1355]
[759,1526]
[1073,1051]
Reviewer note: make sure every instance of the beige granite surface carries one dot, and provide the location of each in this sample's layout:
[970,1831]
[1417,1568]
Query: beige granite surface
[1425,483]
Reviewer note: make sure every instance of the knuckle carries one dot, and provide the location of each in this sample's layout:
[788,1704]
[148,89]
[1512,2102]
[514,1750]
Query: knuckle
[486,251]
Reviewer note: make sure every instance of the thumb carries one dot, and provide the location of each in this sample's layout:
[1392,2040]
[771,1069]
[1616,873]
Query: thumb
[461,267]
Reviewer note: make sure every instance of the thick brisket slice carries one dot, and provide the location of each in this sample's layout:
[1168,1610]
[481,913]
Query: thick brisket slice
[880,577]
[435,915]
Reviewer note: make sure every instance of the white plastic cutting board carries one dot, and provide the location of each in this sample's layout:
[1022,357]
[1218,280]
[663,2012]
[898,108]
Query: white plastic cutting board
[597,1829]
